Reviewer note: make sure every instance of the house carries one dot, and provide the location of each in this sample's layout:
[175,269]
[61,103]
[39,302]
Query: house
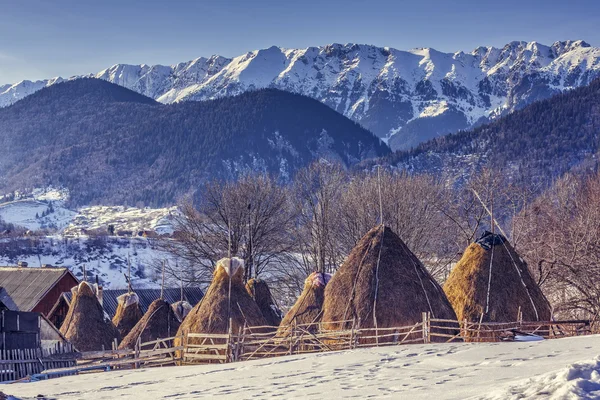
[35,289]
[109,302]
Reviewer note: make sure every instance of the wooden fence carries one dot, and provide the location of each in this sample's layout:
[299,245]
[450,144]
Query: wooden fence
[20,363]
[267,341]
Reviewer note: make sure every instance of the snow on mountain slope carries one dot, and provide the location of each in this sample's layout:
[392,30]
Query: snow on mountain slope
[130,219]
[31,214]
[12,93]
[405,97]
[431,371]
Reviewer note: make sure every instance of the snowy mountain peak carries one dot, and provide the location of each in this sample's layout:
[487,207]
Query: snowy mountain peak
[389,91]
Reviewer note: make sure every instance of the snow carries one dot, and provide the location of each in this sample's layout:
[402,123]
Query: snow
[230,265]
[122,218]
[106,260]
[551,369]
[23,213]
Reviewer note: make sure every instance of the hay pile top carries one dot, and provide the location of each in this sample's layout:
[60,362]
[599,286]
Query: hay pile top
[128,313]
[231,266]
[181,309]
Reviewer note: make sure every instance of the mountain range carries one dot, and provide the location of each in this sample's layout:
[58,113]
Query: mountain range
[110,145]
[404,97]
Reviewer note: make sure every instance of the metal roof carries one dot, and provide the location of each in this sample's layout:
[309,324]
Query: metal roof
[192,295]
[28,286]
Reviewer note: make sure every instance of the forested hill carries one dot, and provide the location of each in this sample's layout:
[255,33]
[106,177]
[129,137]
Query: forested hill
[536,144]
[108,144]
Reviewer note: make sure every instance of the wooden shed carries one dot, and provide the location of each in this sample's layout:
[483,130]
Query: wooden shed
[36,289]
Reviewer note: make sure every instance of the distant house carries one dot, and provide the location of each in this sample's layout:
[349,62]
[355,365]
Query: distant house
[192,295]
[35,289]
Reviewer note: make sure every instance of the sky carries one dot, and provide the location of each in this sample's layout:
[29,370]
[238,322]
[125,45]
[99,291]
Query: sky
[42,39]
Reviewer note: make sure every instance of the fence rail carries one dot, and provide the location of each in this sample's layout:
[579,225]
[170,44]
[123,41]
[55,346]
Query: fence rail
[268,341]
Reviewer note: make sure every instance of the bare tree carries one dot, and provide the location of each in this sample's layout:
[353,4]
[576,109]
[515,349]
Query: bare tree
[562,232]
[410,207]
[250,218]
[317,192]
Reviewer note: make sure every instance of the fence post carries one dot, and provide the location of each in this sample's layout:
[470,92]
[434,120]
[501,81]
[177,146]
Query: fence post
[425,327]
[351,344]
[138,344]
[229,347]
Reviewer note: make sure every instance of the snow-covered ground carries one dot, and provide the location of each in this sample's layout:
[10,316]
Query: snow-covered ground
[551,369]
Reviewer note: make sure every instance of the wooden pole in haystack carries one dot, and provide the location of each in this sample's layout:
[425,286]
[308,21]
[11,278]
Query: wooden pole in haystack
[162,285]
[128,274]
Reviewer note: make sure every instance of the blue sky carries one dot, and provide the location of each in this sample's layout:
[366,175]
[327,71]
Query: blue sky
[41,38]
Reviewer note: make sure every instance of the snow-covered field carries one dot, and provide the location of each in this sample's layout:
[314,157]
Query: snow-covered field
[551,369]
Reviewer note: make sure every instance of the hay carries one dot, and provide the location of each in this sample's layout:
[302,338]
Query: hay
[159,322]
[128,313]
[212,314]
[467,285]
[260,292]
[181,309]
[308,308]
[86,325]
[382,277]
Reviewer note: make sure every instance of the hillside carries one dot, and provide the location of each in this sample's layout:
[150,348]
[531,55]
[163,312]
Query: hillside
[406,97]
[110,145]
[536,144]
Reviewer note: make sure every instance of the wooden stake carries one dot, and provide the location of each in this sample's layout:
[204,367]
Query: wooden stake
[128,274]
[162,285]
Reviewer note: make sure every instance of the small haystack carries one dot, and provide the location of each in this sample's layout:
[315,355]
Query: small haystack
[159,322]
[382,284]
[128,313]
[86,325]
[506,294]
[260,292]
[212,314]
[308,308]
[181,309]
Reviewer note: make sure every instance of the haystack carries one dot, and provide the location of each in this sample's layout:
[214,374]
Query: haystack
[260,292]
[382,284]
[181,309]
[502,296]
[86,326]
[159,322]
[307,310]
[128,313]
[213,313]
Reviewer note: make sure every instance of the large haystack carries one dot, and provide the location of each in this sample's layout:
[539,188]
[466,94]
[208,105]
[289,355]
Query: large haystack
[128,313]
[86,325]
[212,314]
[159,322]
[382,284]
[307,311]
[510,291]
[260,292]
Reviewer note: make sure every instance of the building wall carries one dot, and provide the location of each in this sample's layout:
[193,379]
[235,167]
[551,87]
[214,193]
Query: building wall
[63,285]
